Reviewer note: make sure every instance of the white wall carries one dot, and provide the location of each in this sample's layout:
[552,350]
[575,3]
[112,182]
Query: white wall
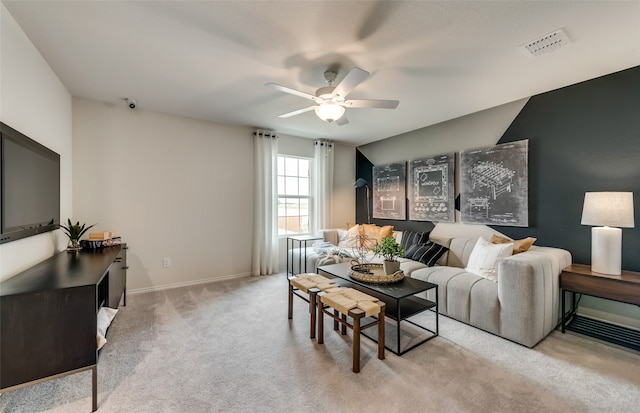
[34,102]
[172,187]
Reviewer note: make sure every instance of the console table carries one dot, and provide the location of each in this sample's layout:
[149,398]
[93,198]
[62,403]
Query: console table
[48,316]
[578,278]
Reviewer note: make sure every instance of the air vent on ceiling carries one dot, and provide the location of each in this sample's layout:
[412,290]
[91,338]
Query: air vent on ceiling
[548,43]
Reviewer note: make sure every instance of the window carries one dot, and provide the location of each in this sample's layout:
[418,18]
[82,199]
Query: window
[294,195]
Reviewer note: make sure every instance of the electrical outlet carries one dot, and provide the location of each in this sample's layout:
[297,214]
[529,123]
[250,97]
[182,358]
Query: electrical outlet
[166,262]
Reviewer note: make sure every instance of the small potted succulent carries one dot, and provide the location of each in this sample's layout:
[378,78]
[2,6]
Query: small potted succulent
[389,250]
[74,232]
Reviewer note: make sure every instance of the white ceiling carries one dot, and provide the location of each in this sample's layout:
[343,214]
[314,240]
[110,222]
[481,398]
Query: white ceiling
[211,59]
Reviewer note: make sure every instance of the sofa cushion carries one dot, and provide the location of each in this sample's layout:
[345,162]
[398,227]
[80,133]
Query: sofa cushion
[485,307]
[441,276]
[408,266]
[485,257]
[464,296]
[519,246]
[332,235]
[438,276]
[410,238]
[459,295]
[427,253]
[459,251]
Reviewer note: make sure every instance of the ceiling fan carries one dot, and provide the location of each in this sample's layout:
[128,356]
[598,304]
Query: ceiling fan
[331,101]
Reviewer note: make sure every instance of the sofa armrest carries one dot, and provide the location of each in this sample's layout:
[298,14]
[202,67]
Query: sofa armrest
[528,290]
[330,235]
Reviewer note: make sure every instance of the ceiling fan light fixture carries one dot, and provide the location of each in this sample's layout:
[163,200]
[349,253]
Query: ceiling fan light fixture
[331,100]
[329,111]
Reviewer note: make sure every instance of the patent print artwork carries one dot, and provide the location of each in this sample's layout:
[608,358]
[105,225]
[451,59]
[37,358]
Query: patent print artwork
[431,188]
[494,185]
[389,193]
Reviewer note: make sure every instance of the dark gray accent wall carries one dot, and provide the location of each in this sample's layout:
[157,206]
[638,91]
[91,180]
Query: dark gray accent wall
[584,137]
[364,169]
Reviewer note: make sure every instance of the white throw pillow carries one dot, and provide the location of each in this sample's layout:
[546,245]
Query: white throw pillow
[352,238]
[342,235]
[105,316]
[485,257]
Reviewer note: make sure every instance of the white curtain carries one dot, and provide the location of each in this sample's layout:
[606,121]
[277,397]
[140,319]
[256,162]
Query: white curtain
[265,217]
[323,184]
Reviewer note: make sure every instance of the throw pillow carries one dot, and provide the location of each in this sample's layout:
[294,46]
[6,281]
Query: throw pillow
[352,238]
[410,238]
[519,246]
[427,253]
[375,233]
[485,257]
[105,316]
[342,235]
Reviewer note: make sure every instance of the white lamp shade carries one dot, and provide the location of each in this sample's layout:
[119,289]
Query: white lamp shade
[329,111]
[611,209]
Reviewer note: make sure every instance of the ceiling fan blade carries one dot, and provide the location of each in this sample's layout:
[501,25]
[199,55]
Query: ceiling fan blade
[379,14]
[371,103]
[342,121]
[297,112]
[291,91]
[350,81]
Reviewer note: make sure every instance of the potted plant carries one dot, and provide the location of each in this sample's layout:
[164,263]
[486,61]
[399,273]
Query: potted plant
[74,232]
[389,250]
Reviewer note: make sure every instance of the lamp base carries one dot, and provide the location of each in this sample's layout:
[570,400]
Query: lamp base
[606,250]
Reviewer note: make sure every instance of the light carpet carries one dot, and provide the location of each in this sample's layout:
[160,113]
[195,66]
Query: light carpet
[228,347]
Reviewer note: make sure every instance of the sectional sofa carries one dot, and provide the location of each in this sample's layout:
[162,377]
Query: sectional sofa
[519,302]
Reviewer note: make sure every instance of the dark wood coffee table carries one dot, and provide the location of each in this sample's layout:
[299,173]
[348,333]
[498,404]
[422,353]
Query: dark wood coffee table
[400,298]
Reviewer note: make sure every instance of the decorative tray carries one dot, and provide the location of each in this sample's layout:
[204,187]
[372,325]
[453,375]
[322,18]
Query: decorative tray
[374,274]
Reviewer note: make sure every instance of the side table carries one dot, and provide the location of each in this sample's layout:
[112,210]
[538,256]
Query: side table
[302,241]
[625,288]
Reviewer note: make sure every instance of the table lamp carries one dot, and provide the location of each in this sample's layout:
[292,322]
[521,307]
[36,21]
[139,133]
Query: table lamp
[610,211]
[359,184]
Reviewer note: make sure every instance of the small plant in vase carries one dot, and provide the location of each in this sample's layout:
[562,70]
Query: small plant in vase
[389,250]
[74,232]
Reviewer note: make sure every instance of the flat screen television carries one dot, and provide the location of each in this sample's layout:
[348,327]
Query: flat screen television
[29,186]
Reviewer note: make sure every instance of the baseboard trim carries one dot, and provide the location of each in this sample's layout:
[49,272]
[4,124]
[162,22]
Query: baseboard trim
[186,283]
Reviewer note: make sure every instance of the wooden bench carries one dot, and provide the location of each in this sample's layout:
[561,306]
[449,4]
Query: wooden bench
[310,284]
[357,305]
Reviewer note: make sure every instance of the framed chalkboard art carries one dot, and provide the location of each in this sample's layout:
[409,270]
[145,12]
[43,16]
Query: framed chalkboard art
[431,184]
[389,191]
[494,185]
